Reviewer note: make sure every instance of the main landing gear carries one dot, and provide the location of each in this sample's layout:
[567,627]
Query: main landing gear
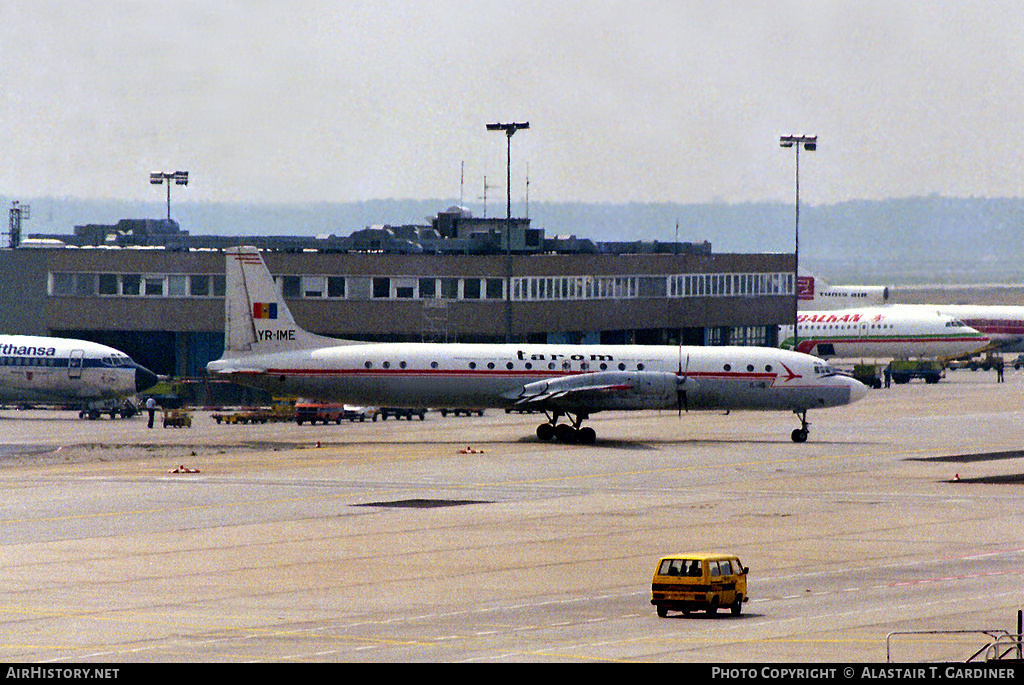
[564,432]
[800,434]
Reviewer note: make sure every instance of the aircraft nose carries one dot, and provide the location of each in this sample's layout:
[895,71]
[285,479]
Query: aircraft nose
[144,378]
[858,390]
[977,344]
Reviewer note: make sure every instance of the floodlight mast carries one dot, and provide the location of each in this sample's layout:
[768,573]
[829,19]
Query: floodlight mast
[809,143]
[510,130]
[159,177]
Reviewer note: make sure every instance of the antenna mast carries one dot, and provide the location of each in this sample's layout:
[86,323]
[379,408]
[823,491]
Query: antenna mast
[527,190]
[484,198]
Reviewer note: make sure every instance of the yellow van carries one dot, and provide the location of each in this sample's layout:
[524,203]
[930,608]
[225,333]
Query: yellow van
[697,581]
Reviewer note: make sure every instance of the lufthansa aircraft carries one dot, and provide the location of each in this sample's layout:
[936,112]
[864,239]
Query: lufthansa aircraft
[265,349]
[67,371]
[885,332]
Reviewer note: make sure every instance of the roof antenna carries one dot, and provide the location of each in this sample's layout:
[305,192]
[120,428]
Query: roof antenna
[527,190]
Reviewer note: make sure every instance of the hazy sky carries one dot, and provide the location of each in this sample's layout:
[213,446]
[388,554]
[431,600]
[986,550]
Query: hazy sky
[632,100]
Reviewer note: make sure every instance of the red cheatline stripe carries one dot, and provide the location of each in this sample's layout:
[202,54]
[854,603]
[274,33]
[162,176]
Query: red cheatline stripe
[542,373]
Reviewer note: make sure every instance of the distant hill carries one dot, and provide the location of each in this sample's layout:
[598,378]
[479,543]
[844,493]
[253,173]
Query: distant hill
[915,240]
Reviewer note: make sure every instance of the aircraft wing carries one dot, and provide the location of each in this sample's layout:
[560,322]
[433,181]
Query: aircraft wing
[597,391]
[240,369]
[554,395]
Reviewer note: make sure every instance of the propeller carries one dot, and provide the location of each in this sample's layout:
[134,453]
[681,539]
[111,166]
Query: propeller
[681,402]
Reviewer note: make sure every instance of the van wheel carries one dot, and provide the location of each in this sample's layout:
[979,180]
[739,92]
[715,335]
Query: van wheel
[713,606]
[737,606]
[662,611]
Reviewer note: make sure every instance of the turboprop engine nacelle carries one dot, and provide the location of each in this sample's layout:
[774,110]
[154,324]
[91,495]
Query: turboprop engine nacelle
[608,390]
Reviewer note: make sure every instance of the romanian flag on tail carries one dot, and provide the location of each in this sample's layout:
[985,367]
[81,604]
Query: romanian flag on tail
[264,310]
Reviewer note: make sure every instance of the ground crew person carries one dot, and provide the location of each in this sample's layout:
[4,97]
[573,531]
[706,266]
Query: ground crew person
[151,408]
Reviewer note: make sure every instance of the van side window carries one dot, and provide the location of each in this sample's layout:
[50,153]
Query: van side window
[680,567]
[713,568]
[726,567]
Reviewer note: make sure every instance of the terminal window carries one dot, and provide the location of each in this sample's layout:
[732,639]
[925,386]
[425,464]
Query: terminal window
[85,284]
[524,288]
[335,286]
[177,285]
[108,284]
[131,284]
[199,285]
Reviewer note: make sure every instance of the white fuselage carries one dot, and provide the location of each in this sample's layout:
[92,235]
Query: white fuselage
[883,332]
[265,348]
[61,370]
[1003,325]
[486,375]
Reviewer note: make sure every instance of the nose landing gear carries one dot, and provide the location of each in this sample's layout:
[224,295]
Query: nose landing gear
[800,434]
[565,432]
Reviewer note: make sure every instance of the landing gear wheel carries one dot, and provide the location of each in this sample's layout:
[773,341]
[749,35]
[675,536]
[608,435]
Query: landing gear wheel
[800,434]
[565,433]
[568,433]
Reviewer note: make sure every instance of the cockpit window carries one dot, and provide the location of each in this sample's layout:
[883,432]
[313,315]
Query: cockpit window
[824,370]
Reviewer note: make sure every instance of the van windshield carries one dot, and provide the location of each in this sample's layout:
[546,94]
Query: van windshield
[680,567]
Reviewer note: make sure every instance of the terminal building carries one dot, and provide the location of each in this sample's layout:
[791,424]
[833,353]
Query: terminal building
[157,293]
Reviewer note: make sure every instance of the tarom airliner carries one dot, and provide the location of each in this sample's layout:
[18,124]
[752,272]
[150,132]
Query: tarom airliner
[266,349]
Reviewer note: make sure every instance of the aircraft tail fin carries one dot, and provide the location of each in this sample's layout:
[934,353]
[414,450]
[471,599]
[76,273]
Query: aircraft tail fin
[805,287]
[256,318]
[815,293]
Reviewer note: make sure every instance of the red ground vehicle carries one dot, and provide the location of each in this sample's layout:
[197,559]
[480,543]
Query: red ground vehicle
[317,412]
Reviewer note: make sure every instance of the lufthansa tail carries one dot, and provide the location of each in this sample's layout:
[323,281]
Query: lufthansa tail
[256,318]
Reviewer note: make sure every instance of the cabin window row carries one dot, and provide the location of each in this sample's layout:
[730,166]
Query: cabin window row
[32,361]
[845,326]
[552,366]
[528,366]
